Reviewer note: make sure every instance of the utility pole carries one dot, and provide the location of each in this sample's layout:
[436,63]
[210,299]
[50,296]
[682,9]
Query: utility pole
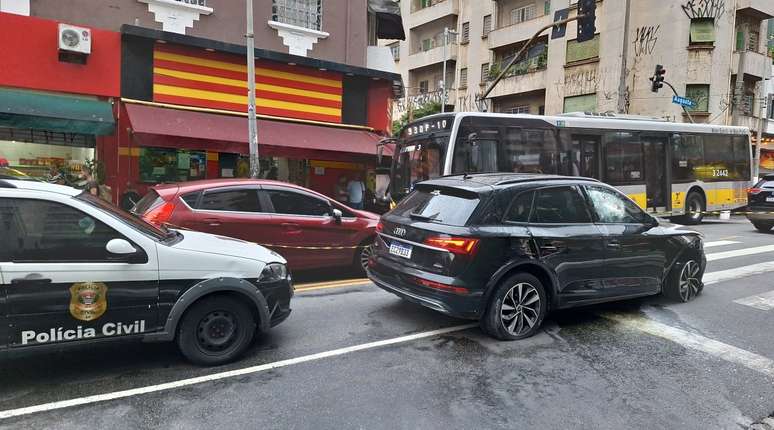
[252,124]
[624,57]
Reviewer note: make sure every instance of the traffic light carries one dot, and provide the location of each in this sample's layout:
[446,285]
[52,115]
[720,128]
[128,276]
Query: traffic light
[586,27]
[658,78]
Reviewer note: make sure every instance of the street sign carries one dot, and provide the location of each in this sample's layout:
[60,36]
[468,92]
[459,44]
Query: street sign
[683,101]
[558,30]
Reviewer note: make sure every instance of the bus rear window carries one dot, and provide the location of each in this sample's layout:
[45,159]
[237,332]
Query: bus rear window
[435,206]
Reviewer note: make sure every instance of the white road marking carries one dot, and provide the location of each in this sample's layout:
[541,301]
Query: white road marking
[763,301]
[740,252]
[737,272]
[223,375]
[719,243]
[697,342]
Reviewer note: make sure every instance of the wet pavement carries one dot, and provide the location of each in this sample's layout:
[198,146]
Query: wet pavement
[583,370]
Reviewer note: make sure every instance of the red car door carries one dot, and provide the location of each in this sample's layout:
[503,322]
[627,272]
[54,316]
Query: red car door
[229,211]
[305,230]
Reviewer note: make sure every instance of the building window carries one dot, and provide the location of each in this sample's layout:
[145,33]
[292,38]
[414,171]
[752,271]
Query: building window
[699,93]
[465,33]
[484,72]
[301,13]
[582,51]
[463,78]
[427,44]
[702,31]
[395,50]
[547,7]
[584,103]
[487,26]
[522,14]
[424,86]
[517,109]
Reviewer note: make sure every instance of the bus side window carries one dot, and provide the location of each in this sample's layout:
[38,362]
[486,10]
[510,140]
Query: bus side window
[742,156]
[687,157]
[624,158]
[718,158]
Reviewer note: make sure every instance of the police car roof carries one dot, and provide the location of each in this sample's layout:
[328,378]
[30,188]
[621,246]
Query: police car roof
[39,186]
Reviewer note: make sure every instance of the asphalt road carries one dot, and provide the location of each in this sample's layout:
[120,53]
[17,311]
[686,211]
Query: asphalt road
[642,364]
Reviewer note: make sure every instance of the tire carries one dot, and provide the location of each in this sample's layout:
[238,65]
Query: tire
[695,204]
[201,331]
[362,255]
[763,228]
[498,323]
[684,281]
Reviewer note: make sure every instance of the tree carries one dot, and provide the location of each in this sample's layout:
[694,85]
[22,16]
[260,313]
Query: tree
[424,110]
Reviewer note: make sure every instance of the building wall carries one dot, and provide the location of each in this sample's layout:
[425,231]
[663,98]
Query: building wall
[656,35]
[345,20]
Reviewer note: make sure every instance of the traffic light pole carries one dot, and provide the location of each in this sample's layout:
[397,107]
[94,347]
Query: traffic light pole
[524,49]
[678,95]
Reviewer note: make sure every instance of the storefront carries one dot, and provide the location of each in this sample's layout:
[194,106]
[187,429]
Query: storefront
[55,109]
[183,116]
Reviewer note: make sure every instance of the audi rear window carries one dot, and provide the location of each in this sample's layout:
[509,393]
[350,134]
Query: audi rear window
[439,206]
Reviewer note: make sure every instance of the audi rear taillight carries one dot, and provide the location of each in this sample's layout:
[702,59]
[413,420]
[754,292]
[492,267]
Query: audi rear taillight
[440,286]
[160,214]
[753,190]
[457,245]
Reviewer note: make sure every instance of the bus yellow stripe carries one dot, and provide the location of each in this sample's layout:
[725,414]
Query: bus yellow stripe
[237,99]
[222,65]
[242,84]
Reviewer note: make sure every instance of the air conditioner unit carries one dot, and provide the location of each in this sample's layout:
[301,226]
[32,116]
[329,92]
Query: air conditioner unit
[74,39]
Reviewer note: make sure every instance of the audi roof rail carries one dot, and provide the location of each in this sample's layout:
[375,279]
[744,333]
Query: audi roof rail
[541,177]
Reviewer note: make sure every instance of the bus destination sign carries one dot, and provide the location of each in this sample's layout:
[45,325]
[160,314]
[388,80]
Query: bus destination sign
[423,127]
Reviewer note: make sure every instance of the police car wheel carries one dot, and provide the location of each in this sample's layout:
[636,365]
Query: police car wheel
[215,331]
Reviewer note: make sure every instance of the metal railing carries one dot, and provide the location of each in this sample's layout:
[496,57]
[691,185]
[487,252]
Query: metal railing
[194,2]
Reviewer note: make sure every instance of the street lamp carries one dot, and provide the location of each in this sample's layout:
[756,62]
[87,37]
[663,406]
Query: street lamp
[252,123]
[446,34]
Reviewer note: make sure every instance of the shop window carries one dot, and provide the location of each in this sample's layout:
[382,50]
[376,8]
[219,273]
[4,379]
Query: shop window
[583,103]
[699,93]
[231,200]
[579,51]
[463,78]
[292,203]
[465,38]
[487,26]
[301,13]
[39,230]
[702,32]
[171,165]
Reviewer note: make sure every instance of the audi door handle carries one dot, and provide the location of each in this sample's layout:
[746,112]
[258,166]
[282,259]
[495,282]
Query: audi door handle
[615,245]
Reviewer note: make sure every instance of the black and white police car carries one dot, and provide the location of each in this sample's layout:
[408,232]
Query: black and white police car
[75,269]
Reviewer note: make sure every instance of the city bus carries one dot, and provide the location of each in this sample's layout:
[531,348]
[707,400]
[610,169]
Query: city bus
[669,169]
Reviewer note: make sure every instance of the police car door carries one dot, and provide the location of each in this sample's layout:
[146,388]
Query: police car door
[62,283]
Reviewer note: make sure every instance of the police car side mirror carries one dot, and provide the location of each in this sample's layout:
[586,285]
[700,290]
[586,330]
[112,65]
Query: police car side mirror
[337,215]
[122,250]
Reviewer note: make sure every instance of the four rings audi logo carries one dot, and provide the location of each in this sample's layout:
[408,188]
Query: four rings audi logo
[399,231]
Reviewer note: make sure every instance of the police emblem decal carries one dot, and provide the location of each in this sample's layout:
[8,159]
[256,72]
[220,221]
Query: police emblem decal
[88,300]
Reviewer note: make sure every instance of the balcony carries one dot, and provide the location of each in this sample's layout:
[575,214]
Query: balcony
[517,32]
[755,64]
[525,76]
[431,13]
[761,9]
[430,57]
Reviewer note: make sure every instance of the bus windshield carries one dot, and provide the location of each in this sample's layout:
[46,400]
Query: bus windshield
[415,161]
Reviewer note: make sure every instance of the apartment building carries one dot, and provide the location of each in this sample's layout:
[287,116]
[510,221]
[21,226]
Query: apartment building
[714,52]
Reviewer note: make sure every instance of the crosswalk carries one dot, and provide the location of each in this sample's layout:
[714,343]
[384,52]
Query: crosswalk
[718,250]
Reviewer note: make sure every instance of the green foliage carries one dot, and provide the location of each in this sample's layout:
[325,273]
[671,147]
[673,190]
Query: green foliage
[422,111]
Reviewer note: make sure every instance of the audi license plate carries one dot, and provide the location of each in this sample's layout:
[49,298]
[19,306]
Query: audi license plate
[400,249]
[770,199]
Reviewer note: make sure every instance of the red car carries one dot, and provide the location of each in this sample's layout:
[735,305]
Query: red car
[307,228]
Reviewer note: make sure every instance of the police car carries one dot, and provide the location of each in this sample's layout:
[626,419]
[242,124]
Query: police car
[75,269]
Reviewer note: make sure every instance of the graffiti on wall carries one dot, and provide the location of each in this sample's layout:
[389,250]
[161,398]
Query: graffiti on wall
[645,40]
[401,105]
[705,9]
[582,81]
[474,103]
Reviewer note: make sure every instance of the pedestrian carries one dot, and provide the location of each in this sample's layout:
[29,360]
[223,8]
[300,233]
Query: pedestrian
[340,190]
[92,187]
[356,192]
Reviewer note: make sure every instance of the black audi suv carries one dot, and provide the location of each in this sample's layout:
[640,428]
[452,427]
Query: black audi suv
[760,207]
[506,249]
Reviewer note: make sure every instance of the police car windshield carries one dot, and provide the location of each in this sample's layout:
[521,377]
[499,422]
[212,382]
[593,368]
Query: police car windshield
[158,233]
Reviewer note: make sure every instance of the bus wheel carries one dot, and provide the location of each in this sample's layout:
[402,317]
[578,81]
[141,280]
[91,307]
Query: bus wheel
[694,209]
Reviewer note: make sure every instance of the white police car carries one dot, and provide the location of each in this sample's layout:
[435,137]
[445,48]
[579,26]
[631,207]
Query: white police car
[75,269]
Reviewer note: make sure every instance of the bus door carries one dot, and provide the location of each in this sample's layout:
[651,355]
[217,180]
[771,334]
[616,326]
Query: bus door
[658,187]
[587,159]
